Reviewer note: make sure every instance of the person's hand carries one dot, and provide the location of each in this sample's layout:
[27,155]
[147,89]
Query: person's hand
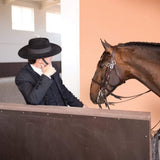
[48,70]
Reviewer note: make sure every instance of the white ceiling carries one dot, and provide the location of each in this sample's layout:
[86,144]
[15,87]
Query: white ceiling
[40,3]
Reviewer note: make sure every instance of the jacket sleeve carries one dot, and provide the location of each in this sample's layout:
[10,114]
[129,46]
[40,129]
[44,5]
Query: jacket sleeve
[32,91]
[68,96]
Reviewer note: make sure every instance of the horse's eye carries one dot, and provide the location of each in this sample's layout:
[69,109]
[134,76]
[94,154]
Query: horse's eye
[101,66]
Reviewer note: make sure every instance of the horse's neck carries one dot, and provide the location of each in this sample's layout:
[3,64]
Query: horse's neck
[145,67]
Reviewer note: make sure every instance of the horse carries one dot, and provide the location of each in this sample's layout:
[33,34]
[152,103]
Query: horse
[119,63]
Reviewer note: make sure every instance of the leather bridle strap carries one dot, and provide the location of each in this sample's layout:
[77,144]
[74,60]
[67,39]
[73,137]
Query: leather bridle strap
[96,82]
[45,61]
[129,97]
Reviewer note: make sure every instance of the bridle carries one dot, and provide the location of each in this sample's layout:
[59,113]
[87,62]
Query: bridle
[105,85]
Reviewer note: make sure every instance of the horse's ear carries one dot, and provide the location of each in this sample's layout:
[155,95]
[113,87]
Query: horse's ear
[106,46]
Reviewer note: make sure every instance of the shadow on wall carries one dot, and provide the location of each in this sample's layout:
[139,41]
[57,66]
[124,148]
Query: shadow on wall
[9,92]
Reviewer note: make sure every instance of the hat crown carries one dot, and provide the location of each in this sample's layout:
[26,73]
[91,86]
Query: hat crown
[39,48]
[39,43]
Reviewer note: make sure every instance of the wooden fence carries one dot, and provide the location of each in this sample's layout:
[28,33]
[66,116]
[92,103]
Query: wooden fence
[66,133]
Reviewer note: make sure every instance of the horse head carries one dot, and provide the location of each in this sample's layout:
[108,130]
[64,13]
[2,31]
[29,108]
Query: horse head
[131,60]
[107,76]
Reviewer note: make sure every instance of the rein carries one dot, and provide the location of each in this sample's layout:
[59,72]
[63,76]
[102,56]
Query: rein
[103,89]
[129,97]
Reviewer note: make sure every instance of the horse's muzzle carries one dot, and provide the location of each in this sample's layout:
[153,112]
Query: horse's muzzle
[93,98]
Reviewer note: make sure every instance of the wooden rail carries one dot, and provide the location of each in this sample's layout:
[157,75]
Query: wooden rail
[66,133]
[12,68]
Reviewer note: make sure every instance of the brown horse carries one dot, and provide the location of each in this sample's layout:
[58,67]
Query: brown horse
[138,60]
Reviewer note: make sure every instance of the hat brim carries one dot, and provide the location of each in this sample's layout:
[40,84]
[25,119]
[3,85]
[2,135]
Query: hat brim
[23,52]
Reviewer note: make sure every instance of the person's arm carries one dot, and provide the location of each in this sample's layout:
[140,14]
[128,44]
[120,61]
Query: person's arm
[68,96]
[32,91]
[71,99]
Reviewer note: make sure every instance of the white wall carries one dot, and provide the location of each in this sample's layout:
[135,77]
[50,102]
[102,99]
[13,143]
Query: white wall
[11,40]
[70,45]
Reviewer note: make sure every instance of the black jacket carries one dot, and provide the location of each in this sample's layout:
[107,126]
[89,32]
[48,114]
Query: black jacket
[41,90]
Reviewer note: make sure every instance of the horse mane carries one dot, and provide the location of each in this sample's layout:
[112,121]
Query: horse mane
[146,44]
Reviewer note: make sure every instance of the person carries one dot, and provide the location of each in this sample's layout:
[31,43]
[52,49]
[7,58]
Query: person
[39,81]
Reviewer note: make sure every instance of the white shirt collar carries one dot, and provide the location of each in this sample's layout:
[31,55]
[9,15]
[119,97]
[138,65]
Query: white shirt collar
[37,70]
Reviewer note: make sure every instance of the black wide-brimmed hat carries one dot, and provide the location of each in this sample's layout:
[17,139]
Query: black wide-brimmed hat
[39,48]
